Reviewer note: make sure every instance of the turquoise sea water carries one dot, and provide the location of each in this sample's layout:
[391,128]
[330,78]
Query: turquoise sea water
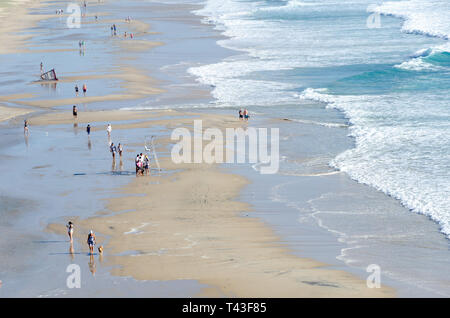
[386,66]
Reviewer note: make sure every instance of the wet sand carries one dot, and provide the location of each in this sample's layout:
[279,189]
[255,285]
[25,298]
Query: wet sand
[188,226]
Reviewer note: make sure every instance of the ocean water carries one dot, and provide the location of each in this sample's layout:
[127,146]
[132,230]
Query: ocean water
[386,66]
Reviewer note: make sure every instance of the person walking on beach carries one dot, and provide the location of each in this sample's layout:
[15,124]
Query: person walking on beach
[25,127]
[70,230]
[74,111]
[241,116]
[91,241]
[146,164]
[139,168]
[246,115]
[84,89]
[88,129]
[113,150]
[109,129]
[136,162]
[120,150]
[76,90]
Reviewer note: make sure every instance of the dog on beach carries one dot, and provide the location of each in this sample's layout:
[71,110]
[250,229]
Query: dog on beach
[100,249]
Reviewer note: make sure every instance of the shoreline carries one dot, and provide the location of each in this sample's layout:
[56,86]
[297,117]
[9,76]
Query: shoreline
[338,283]
[139,125]
[397,270]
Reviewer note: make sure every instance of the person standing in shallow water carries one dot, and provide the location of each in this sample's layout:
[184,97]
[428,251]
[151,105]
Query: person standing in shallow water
[91,241]
[120,150]
[76,90]
[74,111]
[25,127]
[84,89]
[113,150]
[70,230]
[88,129]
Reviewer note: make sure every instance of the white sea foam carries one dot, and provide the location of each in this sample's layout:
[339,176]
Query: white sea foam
[313,122]
[403,155]
[422,17]
[400,138]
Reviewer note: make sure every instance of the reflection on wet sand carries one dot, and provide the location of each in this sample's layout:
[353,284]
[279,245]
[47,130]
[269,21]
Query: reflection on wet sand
[49,86]
[71,251]
[92,264]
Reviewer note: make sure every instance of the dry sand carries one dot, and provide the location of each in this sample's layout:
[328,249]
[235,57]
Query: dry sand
[11,31]
[189,226]
[7,113]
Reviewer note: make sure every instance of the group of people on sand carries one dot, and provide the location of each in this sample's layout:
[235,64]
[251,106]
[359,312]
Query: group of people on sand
[142,164]
[113,149]
[77,89]
[91,240]
[125,34]
[243,114]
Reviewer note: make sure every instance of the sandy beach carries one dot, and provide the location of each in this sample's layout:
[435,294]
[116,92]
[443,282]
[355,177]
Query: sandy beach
[188,226]
[185,224]
[189,229]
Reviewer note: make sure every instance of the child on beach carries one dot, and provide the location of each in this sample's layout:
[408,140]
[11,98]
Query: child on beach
[91,241]
[76,90]
[84,89]
[241,116]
